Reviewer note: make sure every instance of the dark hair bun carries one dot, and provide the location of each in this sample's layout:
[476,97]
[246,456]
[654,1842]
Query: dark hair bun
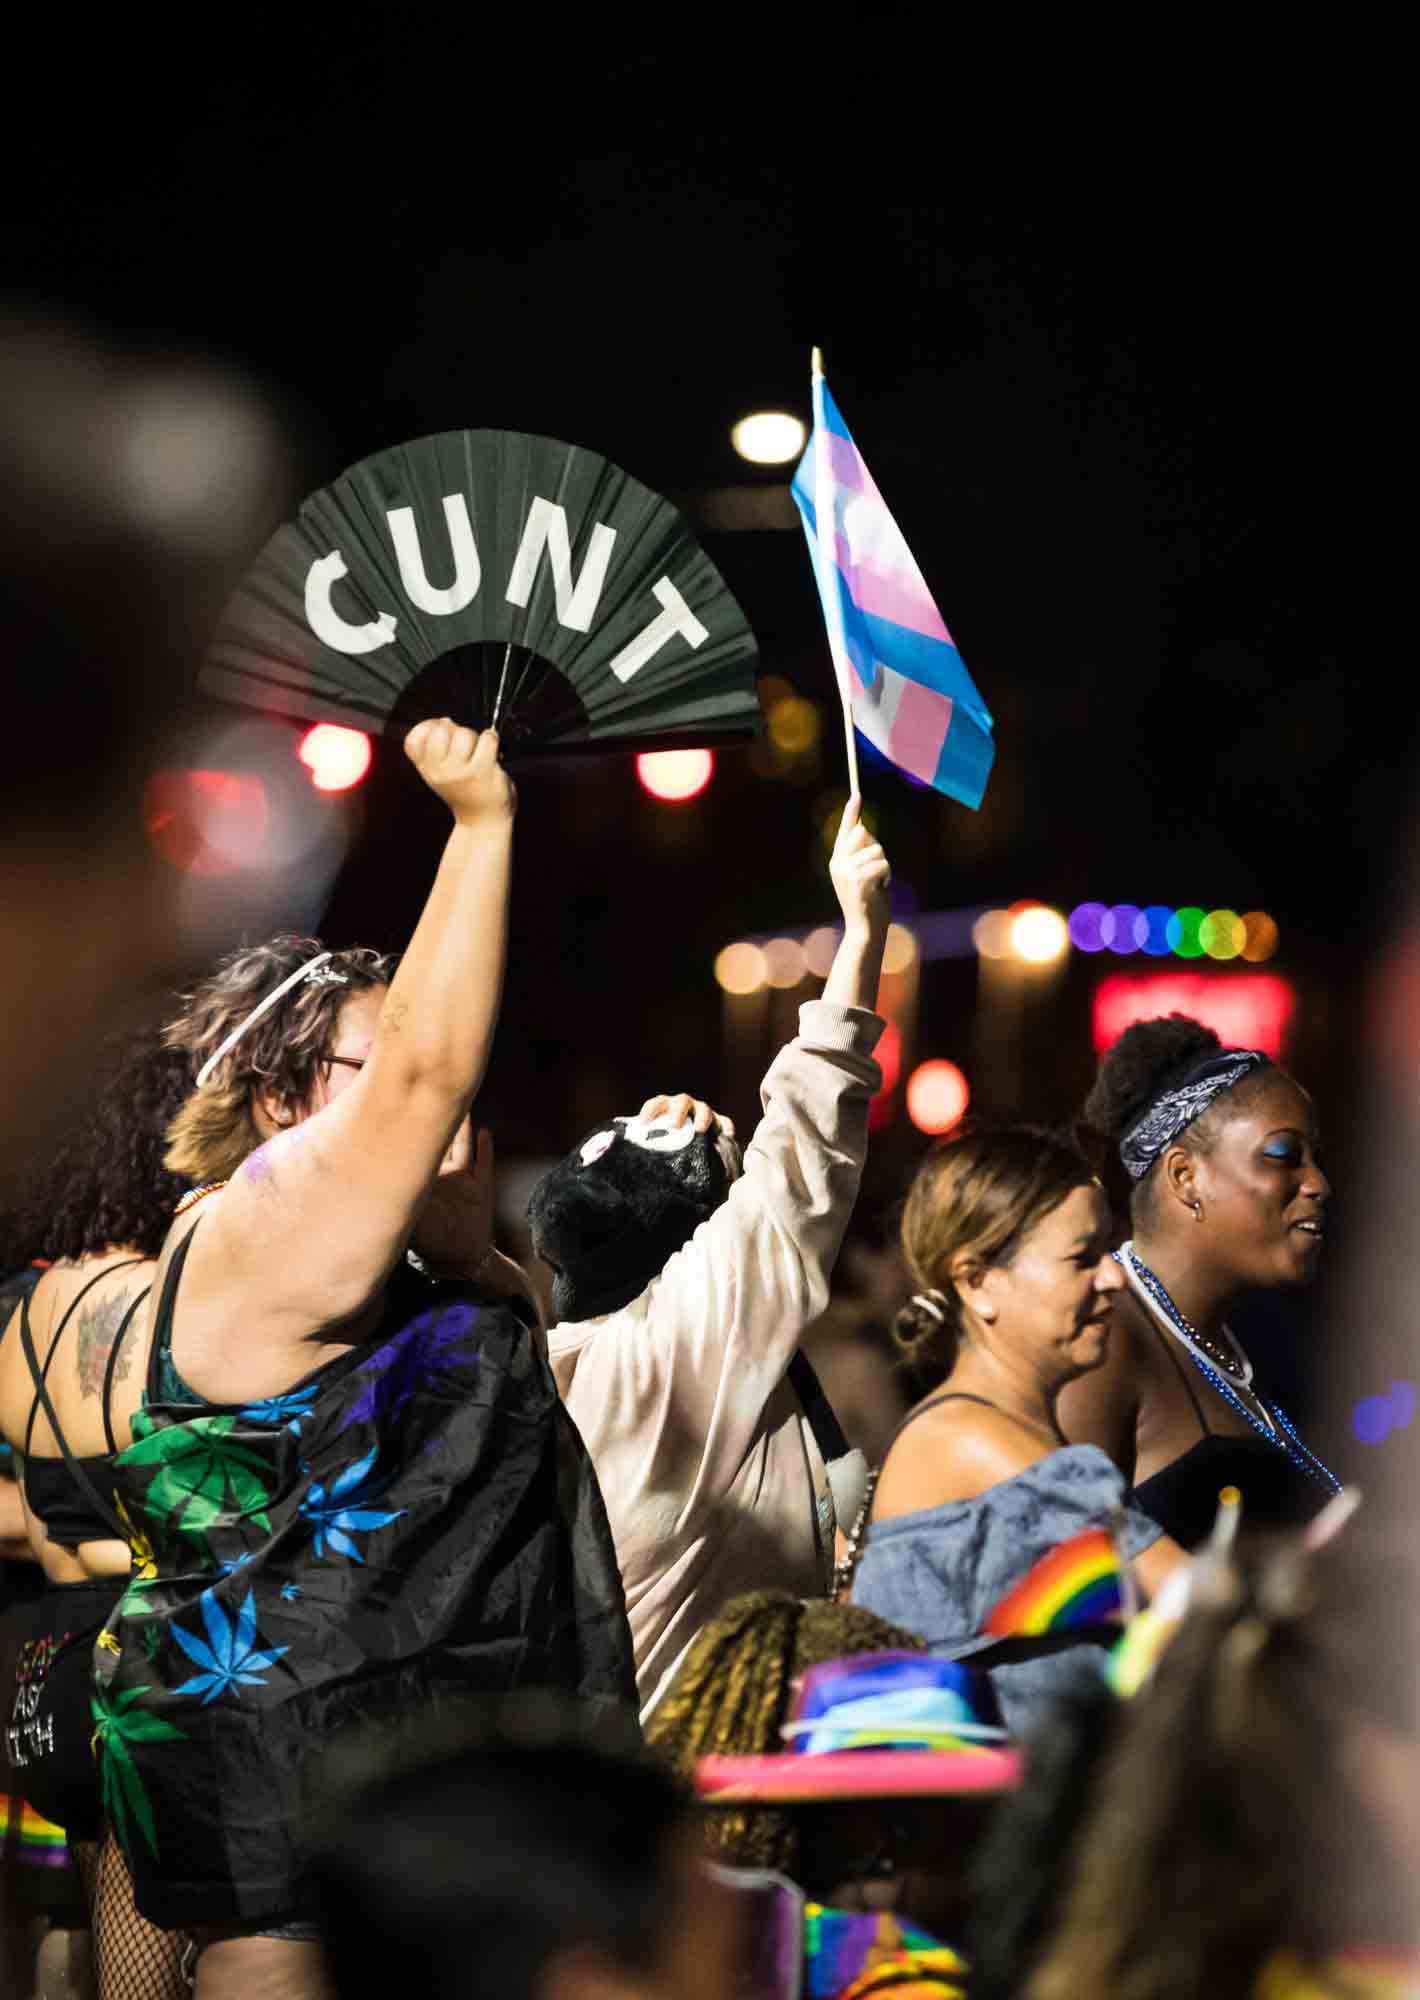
[1146,1060]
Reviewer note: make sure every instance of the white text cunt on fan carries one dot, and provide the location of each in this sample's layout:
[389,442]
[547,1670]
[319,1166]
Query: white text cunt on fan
[545,530]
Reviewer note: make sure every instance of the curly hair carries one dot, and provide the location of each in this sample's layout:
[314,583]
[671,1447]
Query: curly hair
[1150,1058]
[731,1695]
[215,1130]
[979,1192]
[106,1186]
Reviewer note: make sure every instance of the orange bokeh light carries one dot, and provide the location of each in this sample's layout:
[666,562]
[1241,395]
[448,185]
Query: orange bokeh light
[336,758]
[937,1096]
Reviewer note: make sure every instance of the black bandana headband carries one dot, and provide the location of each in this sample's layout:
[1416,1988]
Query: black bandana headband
[1162,1121]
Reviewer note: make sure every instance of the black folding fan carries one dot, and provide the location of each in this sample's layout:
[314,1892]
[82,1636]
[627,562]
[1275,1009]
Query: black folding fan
[500,579]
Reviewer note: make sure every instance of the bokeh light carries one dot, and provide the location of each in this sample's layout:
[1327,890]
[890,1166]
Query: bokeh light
[1157,930]
[336,758]
[1222,934]
[740,968]
[820,947]
[784,962]
[794,726]
[1122,929]
[1260,939]
[769,437]
[991,934]
[1375,1417]
[675,775]
[889,1056]
[937,1096]
[1183,928]
[900,952]
[208,823]
[1039,935]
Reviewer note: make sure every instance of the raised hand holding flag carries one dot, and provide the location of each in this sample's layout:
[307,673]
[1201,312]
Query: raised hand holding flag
[902,680]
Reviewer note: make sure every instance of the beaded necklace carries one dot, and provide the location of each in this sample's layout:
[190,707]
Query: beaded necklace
[1229,1359]
[1154,1295]
[195,1195]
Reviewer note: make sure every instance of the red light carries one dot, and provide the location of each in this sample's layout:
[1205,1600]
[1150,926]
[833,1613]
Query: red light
[937,1096]
[889,1055]
[675,775]
[336,758]
[207,823]
[1250,1010]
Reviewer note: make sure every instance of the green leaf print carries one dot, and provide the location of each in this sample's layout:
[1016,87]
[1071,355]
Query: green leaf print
[202,1476]
[116,1725]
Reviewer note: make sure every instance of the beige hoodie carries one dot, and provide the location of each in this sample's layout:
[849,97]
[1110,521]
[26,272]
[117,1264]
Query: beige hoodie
[712,1481]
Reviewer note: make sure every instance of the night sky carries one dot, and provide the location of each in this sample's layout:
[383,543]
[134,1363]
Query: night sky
[1115,337]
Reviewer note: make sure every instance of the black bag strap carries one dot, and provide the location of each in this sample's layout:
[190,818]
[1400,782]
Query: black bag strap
[822,1418]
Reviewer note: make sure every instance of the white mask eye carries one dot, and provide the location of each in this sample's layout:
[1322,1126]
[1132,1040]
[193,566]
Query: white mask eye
[599,1143]
[656,1137]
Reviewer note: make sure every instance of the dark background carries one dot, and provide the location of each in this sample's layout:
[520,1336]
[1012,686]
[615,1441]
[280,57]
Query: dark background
[1114,325]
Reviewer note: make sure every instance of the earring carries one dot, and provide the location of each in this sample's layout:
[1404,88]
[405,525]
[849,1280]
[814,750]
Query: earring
[1197,1208]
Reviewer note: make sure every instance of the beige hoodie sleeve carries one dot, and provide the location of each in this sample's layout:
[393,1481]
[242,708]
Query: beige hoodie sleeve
[696,1359]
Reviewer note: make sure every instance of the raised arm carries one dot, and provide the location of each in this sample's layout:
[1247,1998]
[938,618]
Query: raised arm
[709,1344]
[860,874]
[312,1222]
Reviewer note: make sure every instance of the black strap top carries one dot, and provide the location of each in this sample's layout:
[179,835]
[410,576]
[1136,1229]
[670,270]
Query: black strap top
[68,1494]
[1183,1496]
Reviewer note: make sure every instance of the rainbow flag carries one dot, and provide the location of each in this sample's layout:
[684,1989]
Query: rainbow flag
[1078,1583]
[40,1845]
[902,678]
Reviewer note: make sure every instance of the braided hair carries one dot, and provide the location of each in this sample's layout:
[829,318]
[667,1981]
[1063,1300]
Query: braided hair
[731,1697]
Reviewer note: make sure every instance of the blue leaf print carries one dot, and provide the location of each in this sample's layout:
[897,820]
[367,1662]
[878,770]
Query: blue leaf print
[287,1412]
[229,1657]
[336,1515]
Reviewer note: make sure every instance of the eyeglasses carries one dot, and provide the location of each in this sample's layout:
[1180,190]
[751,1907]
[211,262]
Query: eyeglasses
[350,1062]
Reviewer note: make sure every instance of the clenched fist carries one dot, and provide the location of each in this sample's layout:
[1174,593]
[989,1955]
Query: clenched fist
[461,766]
[860,873]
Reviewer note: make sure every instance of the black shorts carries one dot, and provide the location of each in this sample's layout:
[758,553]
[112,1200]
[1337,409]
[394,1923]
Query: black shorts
[45,1702]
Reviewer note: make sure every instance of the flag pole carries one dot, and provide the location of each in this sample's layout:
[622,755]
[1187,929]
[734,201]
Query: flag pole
[827,579]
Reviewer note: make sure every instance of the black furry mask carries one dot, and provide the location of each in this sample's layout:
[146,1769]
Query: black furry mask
[622,1202]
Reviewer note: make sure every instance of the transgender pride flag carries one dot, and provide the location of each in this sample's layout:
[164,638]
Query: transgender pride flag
[903,680]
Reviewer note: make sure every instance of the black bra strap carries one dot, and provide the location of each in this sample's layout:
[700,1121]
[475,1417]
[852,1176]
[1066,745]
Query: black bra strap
[1183,1374]
[932,1402]
[100,1505]
[40,1375]
[123,1327]
[163,1319]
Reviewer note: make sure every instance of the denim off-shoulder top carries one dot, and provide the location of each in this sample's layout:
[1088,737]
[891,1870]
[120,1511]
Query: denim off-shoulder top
[940,1570]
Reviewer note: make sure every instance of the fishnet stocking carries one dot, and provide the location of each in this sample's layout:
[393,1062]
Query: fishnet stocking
[133,1960]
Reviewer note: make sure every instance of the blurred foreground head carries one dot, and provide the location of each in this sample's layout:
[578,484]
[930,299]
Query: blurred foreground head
[135,493]
[529,1862]
[1261,1805]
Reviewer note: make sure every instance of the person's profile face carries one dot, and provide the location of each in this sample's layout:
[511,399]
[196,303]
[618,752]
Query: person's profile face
[1054,1301]
[1261,1189]
[350,1045]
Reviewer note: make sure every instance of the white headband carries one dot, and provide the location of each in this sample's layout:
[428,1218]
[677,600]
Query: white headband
[303,972]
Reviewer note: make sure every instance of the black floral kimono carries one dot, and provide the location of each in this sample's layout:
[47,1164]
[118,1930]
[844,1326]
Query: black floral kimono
[414,1523]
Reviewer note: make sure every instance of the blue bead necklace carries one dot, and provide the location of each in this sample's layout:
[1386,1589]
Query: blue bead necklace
[1284,1436]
